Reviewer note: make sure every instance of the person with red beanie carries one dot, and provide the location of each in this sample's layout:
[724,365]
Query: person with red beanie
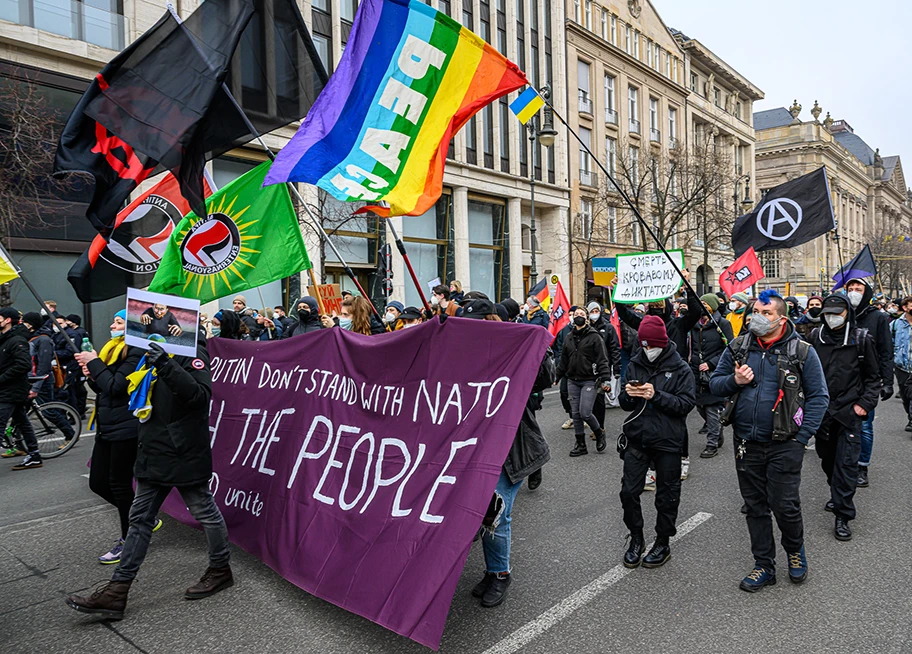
[659,393]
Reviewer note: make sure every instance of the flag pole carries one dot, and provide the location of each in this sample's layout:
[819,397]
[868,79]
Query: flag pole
[636,213]
[401,247]
[44,306]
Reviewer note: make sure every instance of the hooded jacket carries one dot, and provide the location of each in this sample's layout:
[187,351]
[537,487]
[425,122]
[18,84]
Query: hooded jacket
[877,323]
[662,424]
[612,346]
[852,371]
[583,356]
[752,419]
[41,349]
[309,322]
[706,346]
[112,401]
[677,328]
[15,364]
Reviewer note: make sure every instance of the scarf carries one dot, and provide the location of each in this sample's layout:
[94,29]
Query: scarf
[110,353]
[139,386]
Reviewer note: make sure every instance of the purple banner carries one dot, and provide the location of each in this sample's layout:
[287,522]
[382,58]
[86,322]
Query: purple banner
[360,467]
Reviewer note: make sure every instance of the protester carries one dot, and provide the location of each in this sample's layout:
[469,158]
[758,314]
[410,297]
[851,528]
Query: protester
[533,314]
[269,329]
[735,315]
[173,451]
[612,347]
[394,310]
[659,394]
[114,452]
[228,324]
[456,293]
[441,302]
[794,308]
[282,318]
[585,363]
[723,303]
[76,394]
[869,317]
[513,309]
[309,319]
[708,339]
[410,317]
[15,364]
[810,318]
[769,440]
[558,347]
[356,316]
[901,331]
[849,359]
[42,351]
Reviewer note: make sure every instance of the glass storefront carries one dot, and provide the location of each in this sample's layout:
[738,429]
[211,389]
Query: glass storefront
[429,242]
[488,253]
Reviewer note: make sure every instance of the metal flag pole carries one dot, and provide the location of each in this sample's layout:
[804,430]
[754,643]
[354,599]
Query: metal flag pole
[636,213]
[401,247]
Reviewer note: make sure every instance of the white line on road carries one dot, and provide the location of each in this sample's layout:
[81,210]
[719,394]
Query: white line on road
[85,475]
[563,609]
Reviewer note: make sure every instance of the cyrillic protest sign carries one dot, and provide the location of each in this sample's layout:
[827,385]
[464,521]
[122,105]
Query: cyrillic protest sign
[360,467]
[604,270]
[330,294]
[647,276]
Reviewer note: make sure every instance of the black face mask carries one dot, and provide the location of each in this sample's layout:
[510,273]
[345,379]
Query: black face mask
[579,321]
[655,311]
[682,311]
[303,314]
[814,312]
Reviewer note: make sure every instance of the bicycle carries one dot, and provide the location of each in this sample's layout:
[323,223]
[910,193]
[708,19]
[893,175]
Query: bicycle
[46,419]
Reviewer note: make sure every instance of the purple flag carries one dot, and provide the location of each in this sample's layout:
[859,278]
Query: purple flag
[360,467]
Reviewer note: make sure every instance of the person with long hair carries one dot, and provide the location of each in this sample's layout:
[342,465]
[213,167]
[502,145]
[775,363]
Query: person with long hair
[356,315]
[114,453]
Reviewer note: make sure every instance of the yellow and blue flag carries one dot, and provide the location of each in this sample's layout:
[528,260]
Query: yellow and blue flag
[527,105]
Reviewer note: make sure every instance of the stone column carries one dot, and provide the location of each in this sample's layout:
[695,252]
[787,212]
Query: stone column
[461,236]
[514,223]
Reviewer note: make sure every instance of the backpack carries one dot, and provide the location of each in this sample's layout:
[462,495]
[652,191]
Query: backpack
[547,373]
[56,369]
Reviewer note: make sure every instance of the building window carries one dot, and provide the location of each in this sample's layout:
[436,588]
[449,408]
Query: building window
[634,230]
[672,125]
[577,12]
[628,40]
[584,163]
[356,236]
[92,22]
[694,83]
[634,154]
[653,113]
[347,9]
[611,227]
[585,215]
[485,29]
[633,109]
[430,245]
[582,73]
[504,136]
[471,145]
[322,45]
[487,248]
[611,151]
[588,7]
[649,54]
[610,104]
[636,44]
[444,6]
[717,97]
[614,29]
[605,24]
[655,57]
[738,110]
[487,135]
[770,262]
[674,70]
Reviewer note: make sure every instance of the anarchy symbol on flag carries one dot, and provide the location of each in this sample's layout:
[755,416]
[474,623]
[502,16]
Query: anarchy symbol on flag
[778,212]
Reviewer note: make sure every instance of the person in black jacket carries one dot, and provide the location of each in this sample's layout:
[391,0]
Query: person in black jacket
[849,359]
[173,451]
[705,349]
[877,323]
[309,319]
[659,393]
[15,364]
[77,394]
[282,318]
[114,453]
[43,352]
[585,363]
[564,392]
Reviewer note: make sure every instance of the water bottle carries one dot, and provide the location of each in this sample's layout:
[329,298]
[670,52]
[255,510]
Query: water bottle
[86,345]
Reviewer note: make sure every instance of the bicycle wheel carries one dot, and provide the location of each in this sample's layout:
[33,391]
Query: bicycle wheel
[52,422]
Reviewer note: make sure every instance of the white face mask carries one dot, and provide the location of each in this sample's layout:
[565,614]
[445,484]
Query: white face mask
[652,353]
[854,298]
[411,324]
[834,321]
[389,317]
[117,333]
[435,301]
[594,316]
[732,306]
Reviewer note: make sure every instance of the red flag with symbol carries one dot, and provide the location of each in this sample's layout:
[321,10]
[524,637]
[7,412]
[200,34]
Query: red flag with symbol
[744,272]
[560,311]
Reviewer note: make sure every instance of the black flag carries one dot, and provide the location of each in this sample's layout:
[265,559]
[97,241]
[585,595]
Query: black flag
[789,214]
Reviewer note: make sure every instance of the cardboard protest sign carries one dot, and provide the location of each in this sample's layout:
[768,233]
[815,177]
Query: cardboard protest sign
[170,321]
[364,489]
[330,294]
[647,276]
[604,270]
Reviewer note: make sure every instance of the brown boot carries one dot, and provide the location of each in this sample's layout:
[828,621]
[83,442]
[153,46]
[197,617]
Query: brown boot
[108,600]
[212,581]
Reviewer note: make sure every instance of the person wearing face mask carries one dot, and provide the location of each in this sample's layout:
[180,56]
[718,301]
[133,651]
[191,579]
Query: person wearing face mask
[410,317]
[228,324]
[659,394]
[281,317]
[901,332]
[558,346]
[612,346]
[810,318]
[356,317]
[15,366]
[584,362]
[391,316]
[867,316]
[778,398]
[735,315]
[705,348]
[441,303]
[309,319]
[849,359]
[794,308]
[114,452]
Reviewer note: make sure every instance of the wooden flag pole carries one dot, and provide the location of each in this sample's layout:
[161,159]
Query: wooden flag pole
[313,282]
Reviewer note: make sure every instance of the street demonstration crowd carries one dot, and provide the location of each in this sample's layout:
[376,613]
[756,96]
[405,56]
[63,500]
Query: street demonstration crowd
[774,371]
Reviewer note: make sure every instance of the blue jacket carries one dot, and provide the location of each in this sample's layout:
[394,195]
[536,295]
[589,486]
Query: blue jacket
[753,416]
[540,318]
[901,331]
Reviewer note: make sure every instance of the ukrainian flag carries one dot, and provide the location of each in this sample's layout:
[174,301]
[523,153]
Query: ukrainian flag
[8,270]
[527,105]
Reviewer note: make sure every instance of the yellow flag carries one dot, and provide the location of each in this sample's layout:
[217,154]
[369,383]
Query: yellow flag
[8,271]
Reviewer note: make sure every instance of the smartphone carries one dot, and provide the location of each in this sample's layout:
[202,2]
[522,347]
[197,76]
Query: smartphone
[635,382]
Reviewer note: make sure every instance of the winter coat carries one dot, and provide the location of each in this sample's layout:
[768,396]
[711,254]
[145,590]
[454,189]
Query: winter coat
[877,323]
[530,450]
[112,401]
[662,425]
[287,323]
[538,317]
[15,364]
[173,447]
[677,328]
[612,346]
[42,351]
[707,346]
[583,356]
[306,323]
[753,415]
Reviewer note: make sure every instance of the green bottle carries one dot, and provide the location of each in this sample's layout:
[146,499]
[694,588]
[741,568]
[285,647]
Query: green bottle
[87,345]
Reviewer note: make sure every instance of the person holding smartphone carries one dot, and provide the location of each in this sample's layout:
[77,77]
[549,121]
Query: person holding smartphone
[659,393]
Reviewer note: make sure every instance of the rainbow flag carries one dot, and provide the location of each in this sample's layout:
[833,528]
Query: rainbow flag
[409,78]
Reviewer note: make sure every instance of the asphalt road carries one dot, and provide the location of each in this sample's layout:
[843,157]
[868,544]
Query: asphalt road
[569,592]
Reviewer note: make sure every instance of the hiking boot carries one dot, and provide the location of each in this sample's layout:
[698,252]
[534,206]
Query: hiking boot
[580,449]
[497,591]
[568,424]
[798,566]
[482,586]
[842,530]
[709,452]
[12,452]
[650,484]
[658,555]
[757,579]
[685,468]
[634,553]
[108,600]
[30,461]
[601,441]
[212,581]
[535,480]
[113,556]
[862,481]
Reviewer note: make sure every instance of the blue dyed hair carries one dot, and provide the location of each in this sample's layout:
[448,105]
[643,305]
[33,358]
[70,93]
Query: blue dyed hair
[765,296]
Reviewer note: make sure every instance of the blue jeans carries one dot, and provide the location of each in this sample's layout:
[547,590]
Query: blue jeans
[867,440]
[625,359]
[496,546]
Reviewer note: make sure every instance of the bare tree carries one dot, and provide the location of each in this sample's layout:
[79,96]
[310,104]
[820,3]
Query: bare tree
[893,255]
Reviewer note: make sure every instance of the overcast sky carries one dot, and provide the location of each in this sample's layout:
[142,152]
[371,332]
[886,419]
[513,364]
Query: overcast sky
[854,58]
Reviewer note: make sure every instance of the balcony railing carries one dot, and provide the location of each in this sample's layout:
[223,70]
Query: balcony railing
[672,143]
[611,116]
[589,178]
[655,135]
[585,105]
[634,126]
[69,18]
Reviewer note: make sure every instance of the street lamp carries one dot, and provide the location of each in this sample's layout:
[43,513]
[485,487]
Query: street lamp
[747,202]
[546,136]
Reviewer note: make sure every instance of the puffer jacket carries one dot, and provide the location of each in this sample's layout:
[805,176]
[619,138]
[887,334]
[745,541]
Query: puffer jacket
[583,356]
[112,401]
[15,364]
[662,425]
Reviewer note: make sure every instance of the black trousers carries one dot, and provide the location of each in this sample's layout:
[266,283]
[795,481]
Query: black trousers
[599,409]
[18,411]
[111,476]
[565,397]
[904,381]
[769,476]
[839,460]
[668,489]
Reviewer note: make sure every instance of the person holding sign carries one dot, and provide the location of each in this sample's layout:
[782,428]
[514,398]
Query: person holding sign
[706,346]
[584,362]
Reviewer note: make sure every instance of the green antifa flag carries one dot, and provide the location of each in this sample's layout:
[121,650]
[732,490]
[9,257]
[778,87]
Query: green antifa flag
[250,238]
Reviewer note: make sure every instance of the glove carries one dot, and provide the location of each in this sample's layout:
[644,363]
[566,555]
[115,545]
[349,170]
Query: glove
[156,356]
[886,393]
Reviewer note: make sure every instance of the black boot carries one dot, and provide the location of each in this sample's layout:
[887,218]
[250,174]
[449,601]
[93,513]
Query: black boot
[862,481]
[535,479]
[601,440]
[580,448]
[634,553]
[909,425]
[842,530]
[497,591]
[482,586]
[658,555]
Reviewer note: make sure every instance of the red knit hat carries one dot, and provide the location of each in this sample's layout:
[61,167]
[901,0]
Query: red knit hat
[652,332]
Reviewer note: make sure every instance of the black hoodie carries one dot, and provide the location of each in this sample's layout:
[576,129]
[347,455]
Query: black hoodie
[677,328]
[307,321]
[878,325]
[583,357]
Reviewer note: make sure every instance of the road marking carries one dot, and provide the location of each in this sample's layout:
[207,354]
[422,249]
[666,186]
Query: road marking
[563,609]
[85,475]
[56,518]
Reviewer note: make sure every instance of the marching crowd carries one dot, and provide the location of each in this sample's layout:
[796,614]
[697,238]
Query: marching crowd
[776,373]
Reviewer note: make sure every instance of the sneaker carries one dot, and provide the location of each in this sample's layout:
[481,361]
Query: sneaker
[30,461]
[798,566]
[757,579]
[862,481]
[829,506]
[709,452]
[158,525]
[12,452]
[650,481]
[114,555]
[66,444]
[685,468]
[568,424]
